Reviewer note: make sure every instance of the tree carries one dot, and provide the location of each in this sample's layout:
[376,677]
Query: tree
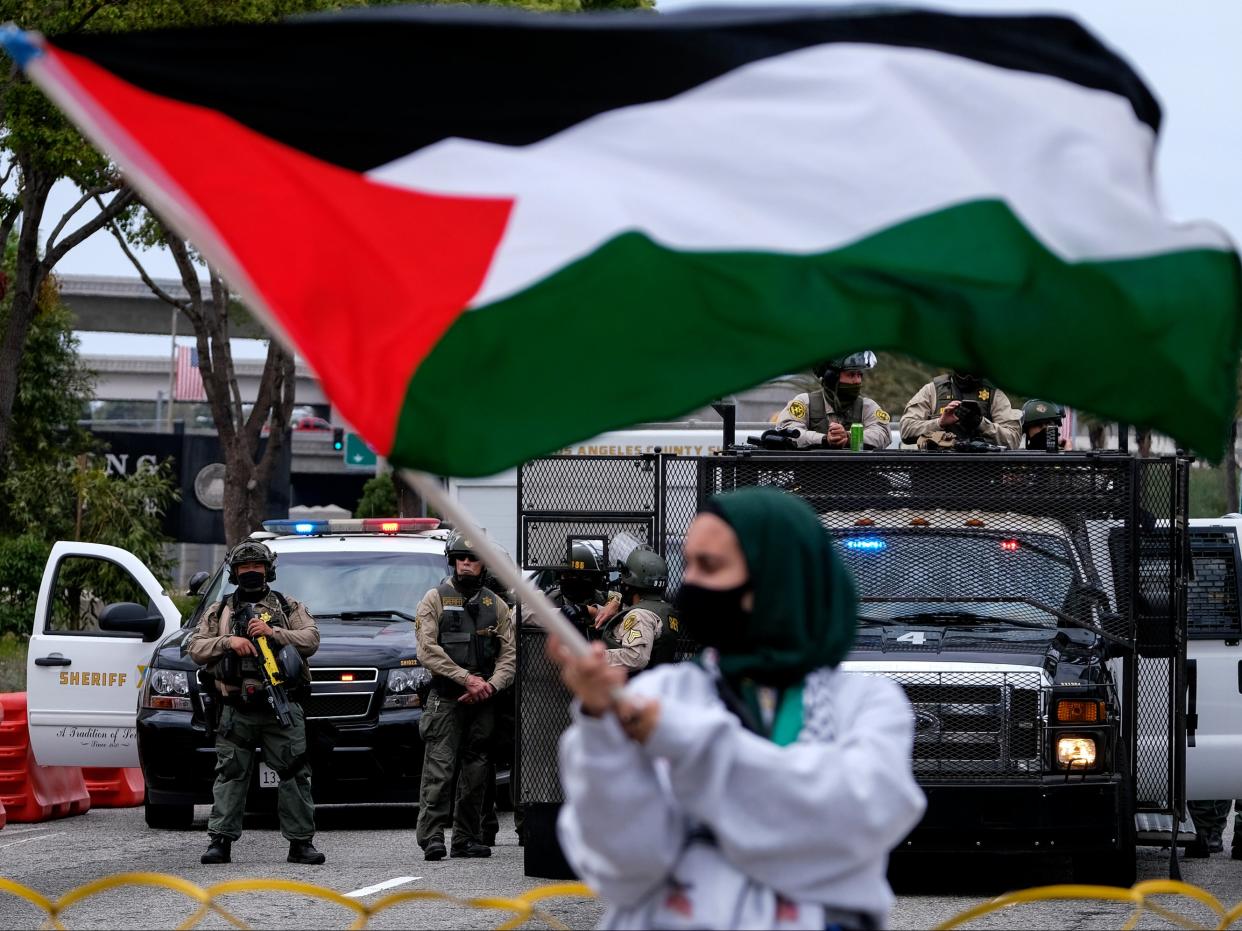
[53,484]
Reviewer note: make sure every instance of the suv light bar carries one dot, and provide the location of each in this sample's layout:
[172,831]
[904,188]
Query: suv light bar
[309,528]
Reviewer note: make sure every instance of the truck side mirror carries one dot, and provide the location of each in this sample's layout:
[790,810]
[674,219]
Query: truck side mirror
[127,617]
[196,582]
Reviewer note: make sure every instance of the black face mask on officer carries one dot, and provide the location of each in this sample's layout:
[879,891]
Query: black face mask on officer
[848,393]
[1038,439]
[465,583]
[576,588]
[713,617]
[252,581]
[967,382]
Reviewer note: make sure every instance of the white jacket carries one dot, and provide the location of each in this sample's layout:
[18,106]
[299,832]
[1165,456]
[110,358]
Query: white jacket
[796,829]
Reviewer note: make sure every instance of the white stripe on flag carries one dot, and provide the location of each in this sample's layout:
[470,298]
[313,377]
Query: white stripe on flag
[807,152]
[189,382]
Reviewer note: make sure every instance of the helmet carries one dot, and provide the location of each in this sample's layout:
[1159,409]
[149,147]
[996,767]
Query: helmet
[829,370]
[1036,412]
[457,547]
[646,570]
[251,551]
[584,558]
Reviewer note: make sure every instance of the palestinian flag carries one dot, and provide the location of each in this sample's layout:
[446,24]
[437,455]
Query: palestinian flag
[492,233]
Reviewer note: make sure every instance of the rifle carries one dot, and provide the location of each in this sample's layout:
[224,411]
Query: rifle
[273,681]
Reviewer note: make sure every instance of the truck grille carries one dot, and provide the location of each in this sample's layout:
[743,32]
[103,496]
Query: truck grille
[333,698]
[975,727]
[338,706]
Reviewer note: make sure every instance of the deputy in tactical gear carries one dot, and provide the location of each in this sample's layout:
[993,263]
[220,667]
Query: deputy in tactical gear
[1038,417]
[580,590]
[646,634]
[960,406]
[823,417]
[247,719]
[465,639]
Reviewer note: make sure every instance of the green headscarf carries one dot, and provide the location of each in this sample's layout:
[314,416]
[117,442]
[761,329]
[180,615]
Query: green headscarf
[805,608]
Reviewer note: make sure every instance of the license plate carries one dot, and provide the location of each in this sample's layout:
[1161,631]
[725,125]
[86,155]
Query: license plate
[268,779]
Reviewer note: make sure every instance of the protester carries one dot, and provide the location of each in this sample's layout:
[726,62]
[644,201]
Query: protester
[760,787]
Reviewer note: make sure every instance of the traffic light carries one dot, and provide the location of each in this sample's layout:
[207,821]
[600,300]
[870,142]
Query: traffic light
[338,438]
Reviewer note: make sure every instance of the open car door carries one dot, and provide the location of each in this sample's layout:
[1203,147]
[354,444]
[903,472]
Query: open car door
[99,617]
[1214,661]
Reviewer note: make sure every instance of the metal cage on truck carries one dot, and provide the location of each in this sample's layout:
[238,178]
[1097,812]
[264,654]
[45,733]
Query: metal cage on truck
[1093,542]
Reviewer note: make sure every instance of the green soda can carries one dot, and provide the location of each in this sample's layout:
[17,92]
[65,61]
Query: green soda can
[856,436]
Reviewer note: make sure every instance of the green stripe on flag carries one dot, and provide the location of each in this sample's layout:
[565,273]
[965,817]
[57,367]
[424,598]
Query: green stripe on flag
[638,332]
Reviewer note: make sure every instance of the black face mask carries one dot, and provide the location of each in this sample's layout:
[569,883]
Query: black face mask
[467,584]
[251,582]
[966,383]
[1038,441]
[577,590]
[848,394]
[714,617]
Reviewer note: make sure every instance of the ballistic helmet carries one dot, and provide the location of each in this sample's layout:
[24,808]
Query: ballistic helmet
[829,371]
[458,547]
[1035,412]
[251,551]
[645,570]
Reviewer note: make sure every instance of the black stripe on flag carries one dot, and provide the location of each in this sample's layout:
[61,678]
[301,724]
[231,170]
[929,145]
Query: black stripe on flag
[362,88]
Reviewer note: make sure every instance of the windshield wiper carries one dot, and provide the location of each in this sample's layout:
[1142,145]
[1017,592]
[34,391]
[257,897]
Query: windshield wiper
[947,617]
[361,615]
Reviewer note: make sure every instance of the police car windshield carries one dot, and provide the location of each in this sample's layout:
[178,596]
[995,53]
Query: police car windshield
[335,583]
[960,577]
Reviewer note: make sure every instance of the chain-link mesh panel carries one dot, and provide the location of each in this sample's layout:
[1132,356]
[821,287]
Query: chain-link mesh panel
[585,496]
[977,726]
[542,716]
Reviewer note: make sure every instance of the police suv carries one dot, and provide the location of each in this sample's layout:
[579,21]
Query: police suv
[109,683]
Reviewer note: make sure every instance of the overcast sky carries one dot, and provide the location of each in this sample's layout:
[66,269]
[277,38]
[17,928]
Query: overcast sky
[1188,52]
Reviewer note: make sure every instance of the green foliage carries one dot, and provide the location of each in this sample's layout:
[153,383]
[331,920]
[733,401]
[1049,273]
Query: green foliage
[1207,493]
[379,498]
[12,663]
[21,568]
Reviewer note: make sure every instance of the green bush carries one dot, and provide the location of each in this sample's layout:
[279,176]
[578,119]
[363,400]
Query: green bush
[22,560]
[1207,493]
[379,498]
[12,663]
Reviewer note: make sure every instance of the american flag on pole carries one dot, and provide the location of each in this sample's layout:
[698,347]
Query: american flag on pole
[189,383]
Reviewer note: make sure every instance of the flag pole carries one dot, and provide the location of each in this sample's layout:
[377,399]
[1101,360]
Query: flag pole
[543,612]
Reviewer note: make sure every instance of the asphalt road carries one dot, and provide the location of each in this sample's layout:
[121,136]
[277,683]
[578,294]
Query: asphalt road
[369,847]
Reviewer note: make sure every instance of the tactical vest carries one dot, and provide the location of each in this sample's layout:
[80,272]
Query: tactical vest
[467,633]
[818,419]
[234,670]
[947,390]
[664,650]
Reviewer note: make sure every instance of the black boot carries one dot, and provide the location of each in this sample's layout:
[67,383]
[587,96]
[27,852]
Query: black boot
[303,851]
[434,849]
[219,851]
[472,849]
[1197,849]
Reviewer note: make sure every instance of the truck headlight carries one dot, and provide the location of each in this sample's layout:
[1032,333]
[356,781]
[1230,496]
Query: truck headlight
[1075,753]
[167,690]
[403,686]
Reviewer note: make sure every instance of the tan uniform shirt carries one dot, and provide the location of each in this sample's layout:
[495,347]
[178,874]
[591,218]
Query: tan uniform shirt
[209,642]
[432,656]
[637,631]
[921,417]
[797,414]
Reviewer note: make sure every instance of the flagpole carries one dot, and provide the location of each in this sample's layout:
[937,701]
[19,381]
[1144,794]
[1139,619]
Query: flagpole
[545,613]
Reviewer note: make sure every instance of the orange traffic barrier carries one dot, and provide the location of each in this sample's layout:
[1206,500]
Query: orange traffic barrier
[3,816]
[28,791]
[115,788]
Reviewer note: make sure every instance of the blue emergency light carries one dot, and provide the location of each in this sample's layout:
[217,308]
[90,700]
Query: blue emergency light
[866,545]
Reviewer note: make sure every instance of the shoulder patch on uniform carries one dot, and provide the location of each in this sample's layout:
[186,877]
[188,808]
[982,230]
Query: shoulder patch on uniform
[633,637]
[797,409]
[630,622]
[882,415]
